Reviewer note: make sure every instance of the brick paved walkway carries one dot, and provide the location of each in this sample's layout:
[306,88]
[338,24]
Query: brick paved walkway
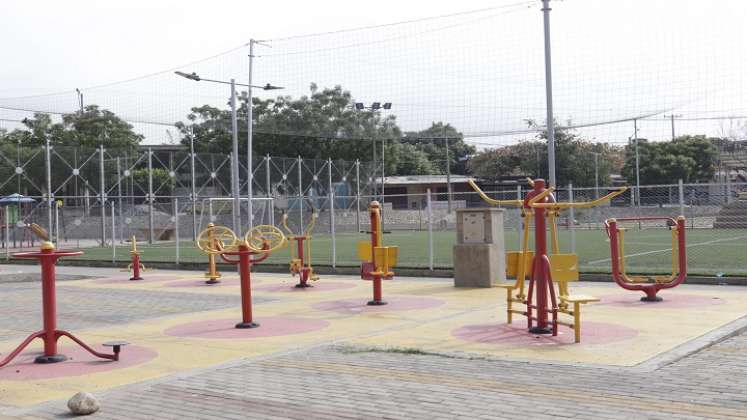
[346,383]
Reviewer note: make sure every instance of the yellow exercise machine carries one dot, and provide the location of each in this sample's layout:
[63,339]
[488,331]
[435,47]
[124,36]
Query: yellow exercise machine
[376,260]
[211,241]
[300,263]
[544,270]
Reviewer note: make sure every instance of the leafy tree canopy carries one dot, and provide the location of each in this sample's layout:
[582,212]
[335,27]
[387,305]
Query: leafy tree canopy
[689,158]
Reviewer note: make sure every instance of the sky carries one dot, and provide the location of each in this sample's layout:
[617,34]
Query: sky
[481,71]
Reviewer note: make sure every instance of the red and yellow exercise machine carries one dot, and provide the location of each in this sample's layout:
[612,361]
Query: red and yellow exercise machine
[135,266]
[300,263]
[377,260]
[47,257]
[259,241]
[650,285]
[544,270]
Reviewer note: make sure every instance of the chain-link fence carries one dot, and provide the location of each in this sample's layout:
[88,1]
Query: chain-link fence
[100,199]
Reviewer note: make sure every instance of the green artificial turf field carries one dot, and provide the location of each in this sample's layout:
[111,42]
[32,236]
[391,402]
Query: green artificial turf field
[710,251]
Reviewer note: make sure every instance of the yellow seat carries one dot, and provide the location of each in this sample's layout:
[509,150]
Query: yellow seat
[577,301]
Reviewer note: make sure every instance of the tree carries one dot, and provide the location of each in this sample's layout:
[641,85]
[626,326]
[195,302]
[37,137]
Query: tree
[432,141]
[73,138]
[322,125]
[574,159]
[689,158]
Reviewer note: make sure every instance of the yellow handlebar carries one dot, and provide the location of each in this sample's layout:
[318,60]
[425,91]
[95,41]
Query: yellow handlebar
[493,201]
[285,225]
[578,205]
[534,201]
[310,227]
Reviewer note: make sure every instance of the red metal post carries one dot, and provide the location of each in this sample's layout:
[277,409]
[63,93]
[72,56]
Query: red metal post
[136,266]
[49,303]
[540,280]
[304,273]
[375,212]
[245,268]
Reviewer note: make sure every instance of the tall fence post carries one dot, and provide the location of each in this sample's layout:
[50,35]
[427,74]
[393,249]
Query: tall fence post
[300,192]
[681,188]
[114,242]
[176,230]
[102,195]
[358,195]
[194,188]
[331,195]
[521,219]
[49,199]
[572,221]
[150,196]
[728,188]
[429,214]
[268,181]
[119,194]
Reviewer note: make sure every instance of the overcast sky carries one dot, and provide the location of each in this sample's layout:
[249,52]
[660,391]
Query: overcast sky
[612,59]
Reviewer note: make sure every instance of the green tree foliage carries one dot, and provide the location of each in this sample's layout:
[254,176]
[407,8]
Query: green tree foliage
[73,139]
[574,160]
[689,158]
[433,141]
[321,125]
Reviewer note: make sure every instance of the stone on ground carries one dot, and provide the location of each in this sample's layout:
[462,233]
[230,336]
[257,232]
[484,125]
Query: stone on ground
[83,403]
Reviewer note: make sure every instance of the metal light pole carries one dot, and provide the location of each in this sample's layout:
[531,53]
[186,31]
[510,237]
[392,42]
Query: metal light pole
[234,124]
[637,163]
[376,106]
[596,174]
[236,219]
[249,138]
[548,94]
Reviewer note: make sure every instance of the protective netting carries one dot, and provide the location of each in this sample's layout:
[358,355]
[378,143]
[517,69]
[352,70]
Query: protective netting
[481,71]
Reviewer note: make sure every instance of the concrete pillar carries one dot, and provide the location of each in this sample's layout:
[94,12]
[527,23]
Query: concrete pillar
[480,252]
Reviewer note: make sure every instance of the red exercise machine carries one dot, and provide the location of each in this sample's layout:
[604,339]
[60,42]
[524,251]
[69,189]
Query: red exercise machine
[650,285]
[48,257]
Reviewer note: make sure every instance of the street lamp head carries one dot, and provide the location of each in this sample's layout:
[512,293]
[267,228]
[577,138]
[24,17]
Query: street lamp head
[271,87]
[375,106]
[190,76]
[359,106]
[387,105]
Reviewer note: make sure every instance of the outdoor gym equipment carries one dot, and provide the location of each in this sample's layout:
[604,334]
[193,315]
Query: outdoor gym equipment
[214,240]
[544,270]
[649,285]
[376,260]
[48,257]
[260,240]
[136,266]
[298,264]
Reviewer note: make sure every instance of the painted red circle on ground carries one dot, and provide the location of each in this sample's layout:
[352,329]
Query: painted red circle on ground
[79,362]
[394,303]
[670,300]
[230,281]
[516,334]
[316,286]
[268,327]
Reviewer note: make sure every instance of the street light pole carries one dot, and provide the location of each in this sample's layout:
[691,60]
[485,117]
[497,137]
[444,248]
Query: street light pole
[235,161]
[250,139]
[637,163]
[548,94]
[234,125]
[596,174]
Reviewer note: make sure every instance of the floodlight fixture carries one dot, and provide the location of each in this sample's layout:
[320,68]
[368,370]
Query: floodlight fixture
[375,106]
[387,105]
[359,106]
[190,76]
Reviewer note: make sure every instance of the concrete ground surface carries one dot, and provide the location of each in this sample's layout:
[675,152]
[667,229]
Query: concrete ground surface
[434,352]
